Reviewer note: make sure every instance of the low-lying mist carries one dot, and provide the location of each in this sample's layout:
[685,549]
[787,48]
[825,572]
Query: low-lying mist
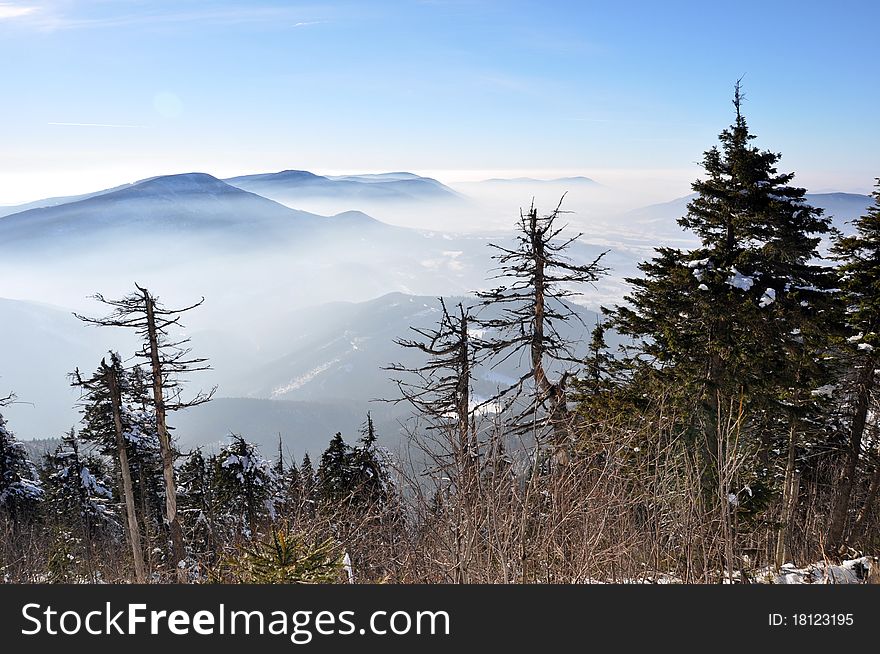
[297,306]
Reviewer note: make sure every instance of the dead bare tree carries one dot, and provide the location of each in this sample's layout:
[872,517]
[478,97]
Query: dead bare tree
[537,277]
[106,381]
[440,388]
[170,359]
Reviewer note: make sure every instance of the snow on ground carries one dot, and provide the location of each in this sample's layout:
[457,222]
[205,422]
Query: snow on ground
[865,569]
[862,570]
[302,380]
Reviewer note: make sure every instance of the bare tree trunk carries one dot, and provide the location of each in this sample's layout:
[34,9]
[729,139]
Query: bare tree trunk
[140,311]
[553,394]
[145,517]
[178,550]
[542,384]
[466,439]
[726,470]
[870,500]
[847,479]
[133,529]
[790,489]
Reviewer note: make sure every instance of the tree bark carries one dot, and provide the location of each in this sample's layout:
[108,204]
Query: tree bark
[178,549]
[554,394]
[133,529]
[790,490]
[840,510]
[468,445]
[870,500]
[542,384]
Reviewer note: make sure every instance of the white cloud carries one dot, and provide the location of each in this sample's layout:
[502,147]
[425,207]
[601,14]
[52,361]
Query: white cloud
[66,17]
[8,10]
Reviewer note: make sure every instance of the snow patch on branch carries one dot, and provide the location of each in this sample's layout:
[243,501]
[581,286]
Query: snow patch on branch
[740,281]
[768,298]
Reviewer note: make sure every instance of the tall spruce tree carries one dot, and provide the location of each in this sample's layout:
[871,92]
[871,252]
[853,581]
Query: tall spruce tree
[124,432]
[738,324]
[289,492]
[859,257]
[600,367]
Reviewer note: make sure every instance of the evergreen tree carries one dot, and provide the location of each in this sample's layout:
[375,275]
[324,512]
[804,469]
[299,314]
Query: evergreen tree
[308,485]
[283,557]
[370,480]
[78,486]
[201,510]
[117,421]
[139,429]
[601,370]
[20,487]
[859,268]
[734,331]
[244,483]
[278,468]
[78,494]
[288,486]
[334,477]
[289,495]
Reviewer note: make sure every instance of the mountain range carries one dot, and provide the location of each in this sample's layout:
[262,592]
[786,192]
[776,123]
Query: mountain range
[294,186]
[191,206]
[301,309]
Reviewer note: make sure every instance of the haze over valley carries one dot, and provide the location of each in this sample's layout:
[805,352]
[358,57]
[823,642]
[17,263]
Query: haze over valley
[307,280]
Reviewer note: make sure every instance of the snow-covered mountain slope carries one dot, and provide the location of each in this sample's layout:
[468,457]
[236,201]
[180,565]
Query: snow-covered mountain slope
[193,204]
[10,209]
[323,365]
[843,208]
[398,198]
[193,235]
[285,185]
[339,350]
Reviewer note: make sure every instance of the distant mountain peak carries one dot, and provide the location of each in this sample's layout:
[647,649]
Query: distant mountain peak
[183,182]
[355,216]
[289,175]
[293,186]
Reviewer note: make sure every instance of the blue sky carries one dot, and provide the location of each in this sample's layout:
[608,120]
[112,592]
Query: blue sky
[99,92]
